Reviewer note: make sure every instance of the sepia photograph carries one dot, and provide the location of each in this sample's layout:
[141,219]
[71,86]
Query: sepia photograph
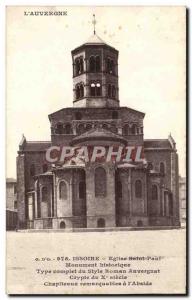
[96,149]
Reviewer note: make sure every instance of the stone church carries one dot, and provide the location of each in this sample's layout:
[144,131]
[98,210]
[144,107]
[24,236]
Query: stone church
[96,194]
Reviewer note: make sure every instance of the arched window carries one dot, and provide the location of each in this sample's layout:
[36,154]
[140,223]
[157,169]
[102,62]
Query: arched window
[109,90]
[101,223]
[113,128]
[110,66]
[154,192]
[139,223]
[81,129]
[78,116]
[92,64]
[81,91]
[88,127]
[119,189]
[100,182]
[113,92]
[133,129]
[32,170]
[81,65]
[114,115]
[68,129]
[150,166]
[138,189]
[59,128]
[82,189]
[62,225]
[63,194]
[44,194]
[126,129]
[77,91]
[77,66]
[98,89]
[105,126]
[162,168]
[45,168]
[171,204]
[95,89]
[98,64]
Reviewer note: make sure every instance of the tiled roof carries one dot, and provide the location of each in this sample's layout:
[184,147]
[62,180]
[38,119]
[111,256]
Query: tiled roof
[163,143]
[36,146]
[100,134]
[94,39]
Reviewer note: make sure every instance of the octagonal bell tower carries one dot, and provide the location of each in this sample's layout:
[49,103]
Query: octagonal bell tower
[95,74]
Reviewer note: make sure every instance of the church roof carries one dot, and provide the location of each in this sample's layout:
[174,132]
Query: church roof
[100,134]
[35,146]
[94,39]
[157,143]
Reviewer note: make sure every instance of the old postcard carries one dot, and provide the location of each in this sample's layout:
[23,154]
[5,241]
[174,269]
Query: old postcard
[96,135]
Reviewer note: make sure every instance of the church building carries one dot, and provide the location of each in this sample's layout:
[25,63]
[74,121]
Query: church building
[97,194]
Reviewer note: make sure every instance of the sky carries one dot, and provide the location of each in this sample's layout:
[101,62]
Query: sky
[151,44]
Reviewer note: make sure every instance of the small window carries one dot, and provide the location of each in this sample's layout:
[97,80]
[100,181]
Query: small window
[154,192]
[171,204]
[113,128]
[133,129]
[126,129]
[68,129]
[92,64]
[150,166]
[109,90]
[88,127]
[15,204]
[15,189]
[105,126]
[77,91]
[139,223]
[81,129]
[32,170]
[81,65]
[59,128]
[44,194]
[110,66]
[77,66]
[98,64]
[101,223]
[95,89]
[98,89]
[63,190]
[62,225]
[82,190]
[81,91]
[45,168]
[100,182]
[138,189]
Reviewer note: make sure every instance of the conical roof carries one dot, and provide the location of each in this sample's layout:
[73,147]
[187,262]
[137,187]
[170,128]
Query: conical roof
[98,134]
[94,39]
